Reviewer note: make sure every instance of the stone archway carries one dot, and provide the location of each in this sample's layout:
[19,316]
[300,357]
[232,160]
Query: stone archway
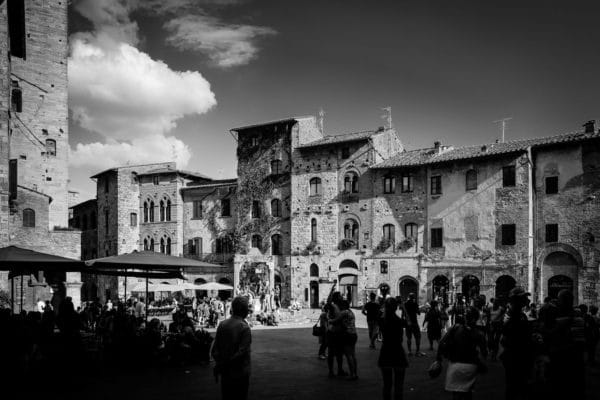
[559,259]
[470,287]
[440,288]
[560,270]
[348,281]
[406,286]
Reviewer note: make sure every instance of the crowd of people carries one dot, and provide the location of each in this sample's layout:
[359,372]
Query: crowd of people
[543,349]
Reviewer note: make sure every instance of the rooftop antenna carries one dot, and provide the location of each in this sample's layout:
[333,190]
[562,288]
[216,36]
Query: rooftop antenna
[388,116]
[503,120]
[322,120]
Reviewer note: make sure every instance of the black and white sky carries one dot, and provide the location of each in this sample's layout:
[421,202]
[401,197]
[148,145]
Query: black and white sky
[161,80]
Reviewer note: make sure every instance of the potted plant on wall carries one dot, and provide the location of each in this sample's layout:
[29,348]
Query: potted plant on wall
[346,244]
[406,244]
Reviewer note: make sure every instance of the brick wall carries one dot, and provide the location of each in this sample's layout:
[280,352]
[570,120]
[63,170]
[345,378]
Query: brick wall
[4,126]
[43,81]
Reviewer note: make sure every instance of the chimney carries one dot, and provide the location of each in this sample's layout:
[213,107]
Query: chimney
[436,145]
[589,126]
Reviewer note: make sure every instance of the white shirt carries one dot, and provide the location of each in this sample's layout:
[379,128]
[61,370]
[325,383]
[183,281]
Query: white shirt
[40,306]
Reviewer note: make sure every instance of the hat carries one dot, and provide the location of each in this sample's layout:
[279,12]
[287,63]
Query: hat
[518,291]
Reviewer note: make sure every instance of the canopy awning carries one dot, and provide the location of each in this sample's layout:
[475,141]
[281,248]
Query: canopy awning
[214,286]
[348,280]
[20,261]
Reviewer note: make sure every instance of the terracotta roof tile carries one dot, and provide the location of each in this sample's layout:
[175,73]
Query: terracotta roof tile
[429,155]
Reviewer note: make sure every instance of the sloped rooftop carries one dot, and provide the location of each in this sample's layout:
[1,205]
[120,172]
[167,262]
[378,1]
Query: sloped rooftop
[430,156]
[344,138]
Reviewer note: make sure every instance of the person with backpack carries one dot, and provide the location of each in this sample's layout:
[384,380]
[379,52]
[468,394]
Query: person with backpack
[465,348]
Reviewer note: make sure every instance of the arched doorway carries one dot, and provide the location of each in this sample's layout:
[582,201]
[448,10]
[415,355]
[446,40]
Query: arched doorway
[558,283]
[224,294]
[348,281]
[200,294]
[440,286]
[314,294]
[406,286]
[559,271]
[503,285]
[470,287]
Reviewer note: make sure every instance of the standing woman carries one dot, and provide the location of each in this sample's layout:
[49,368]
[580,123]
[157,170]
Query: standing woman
[464,346]
[433,319]
[392,358]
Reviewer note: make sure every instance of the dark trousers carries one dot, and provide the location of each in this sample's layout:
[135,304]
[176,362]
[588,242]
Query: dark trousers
[393,377]
[517,374]
[234,388]
[335,350]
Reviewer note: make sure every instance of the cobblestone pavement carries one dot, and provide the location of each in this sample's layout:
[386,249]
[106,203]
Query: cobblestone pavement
[285,366]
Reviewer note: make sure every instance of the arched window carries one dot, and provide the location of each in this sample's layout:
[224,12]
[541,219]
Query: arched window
[28,218]
[315,187]
[255,209]
[313,230]
[314,270]
[145,211]
[168,246]
[149,244]
[168,210]
[276,167]
[151,206]
[351,230]
[276,244]
[256,241]
[389,233]
[162,206]
[162,245]
[276,208]
[146,247]
[410,230]
[351,182]
[471,179]
[50,147]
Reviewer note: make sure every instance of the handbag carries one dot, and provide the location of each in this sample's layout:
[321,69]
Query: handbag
[317,329]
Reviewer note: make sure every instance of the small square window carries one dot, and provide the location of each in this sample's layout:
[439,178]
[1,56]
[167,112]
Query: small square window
[436,185]
[407,183]
[383,267]
[509,234]
[551,233]
[552,185]
[437,237]
[508,176]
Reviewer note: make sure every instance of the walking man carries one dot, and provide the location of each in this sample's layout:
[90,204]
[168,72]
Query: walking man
[372,311]
[231,352]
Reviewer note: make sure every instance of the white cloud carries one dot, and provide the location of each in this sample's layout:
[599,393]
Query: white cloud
[150,149]
[226,45]
[110,17]
[122,93]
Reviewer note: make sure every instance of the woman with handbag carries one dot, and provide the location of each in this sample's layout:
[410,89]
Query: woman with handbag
[464,346]
[392,357]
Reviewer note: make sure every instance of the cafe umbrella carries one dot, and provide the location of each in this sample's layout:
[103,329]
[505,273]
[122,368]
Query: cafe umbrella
[20,262]
[146,264]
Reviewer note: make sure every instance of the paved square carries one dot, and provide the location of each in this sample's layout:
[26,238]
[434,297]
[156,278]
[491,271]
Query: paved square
[284,366]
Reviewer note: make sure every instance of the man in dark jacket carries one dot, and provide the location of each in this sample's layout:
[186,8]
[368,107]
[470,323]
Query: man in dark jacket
[231,352]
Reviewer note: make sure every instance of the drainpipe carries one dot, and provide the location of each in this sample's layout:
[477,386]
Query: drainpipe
[530,226]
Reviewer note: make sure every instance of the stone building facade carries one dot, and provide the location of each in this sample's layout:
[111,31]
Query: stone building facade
[358,209]
[34,145]
[140,207]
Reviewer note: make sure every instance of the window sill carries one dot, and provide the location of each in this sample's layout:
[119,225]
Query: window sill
[436,196]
